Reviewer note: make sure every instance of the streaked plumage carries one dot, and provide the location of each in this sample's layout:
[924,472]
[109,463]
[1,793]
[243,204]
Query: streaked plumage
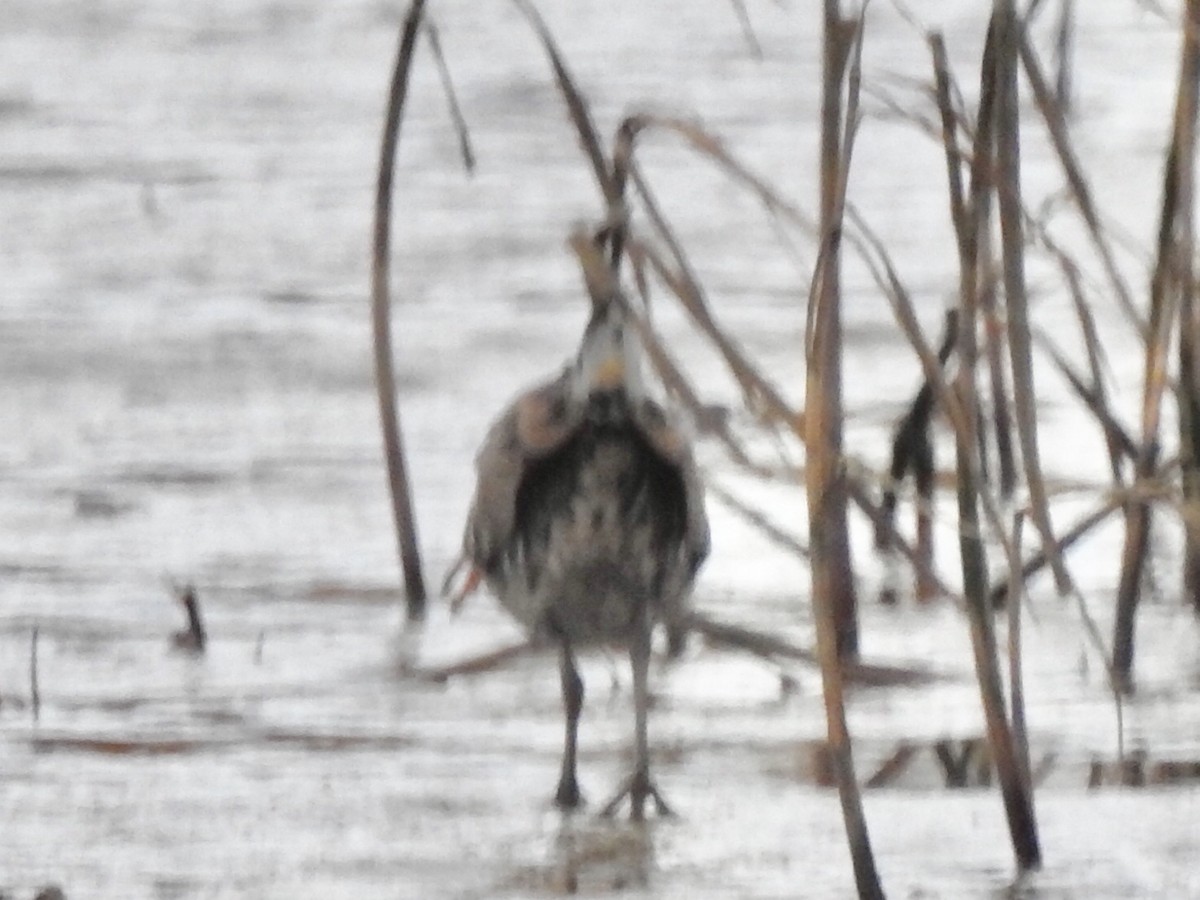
[588,521]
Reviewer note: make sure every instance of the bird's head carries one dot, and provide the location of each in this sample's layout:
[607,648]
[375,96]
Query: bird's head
[609,361]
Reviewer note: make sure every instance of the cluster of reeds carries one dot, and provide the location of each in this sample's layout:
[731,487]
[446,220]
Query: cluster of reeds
[994,229]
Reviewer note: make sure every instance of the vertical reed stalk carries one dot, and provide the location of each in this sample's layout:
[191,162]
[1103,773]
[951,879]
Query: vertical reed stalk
[1063,44]
[1189,311]
[1168,288]
[993,319]
[833,598]
[1016,680]
[385,383]
[1008,177]
[833,577]
[1017,801]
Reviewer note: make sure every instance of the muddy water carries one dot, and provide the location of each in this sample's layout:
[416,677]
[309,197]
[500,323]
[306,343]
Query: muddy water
[186,396]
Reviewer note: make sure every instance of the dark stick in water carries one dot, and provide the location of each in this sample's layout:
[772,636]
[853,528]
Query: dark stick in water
[35,696]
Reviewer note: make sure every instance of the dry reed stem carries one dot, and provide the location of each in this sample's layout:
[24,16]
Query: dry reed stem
[601,279]
[943,83]
[1189,314]
[476,665]
[711,147]
[1055,119]
[385,384]
[768,647]
[993,319]
[761,396]
[1016,680]
[1072,535]
[758,520]
[833,600]
[577,106]
[456,113]
[998,86]
[860,494]
[672,376]
[743,15]
[1115,434]
[1064,39]
[883,272]
[1008,187]
[1097,361]
[684,285]
[1165,301]
[758,389]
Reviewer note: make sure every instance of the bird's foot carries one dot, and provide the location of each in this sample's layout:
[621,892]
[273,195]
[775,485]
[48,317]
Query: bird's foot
[568,797]
[638,788]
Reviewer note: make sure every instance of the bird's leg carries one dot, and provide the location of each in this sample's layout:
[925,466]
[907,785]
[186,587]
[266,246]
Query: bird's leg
[567,796]
[639,786]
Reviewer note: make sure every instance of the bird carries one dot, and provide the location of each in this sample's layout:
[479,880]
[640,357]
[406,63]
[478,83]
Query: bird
[588,524]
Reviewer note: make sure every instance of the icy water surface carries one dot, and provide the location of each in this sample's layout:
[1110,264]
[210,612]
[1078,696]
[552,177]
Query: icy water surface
[185,394]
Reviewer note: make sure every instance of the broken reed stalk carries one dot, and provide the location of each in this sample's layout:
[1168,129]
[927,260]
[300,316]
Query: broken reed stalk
[1170,282]
[833,601]
[577,107]
[35,694]
[758,520]
[1116,437]
[1037,562]
[194,638]
[385,383]
[761,396]
[456,114]
[1008,189]
[743,15]
[1054,116]
[1113,437]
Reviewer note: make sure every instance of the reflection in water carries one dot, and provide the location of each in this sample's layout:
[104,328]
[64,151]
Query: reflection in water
[590,853]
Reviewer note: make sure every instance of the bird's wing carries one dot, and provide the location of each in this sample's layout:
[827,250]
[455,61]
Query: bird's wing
[534,425]
[671,441]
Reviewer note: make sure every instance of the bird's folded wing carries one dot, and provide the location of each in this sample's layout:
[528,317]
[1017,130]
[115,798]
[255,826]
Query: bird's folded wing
[669,438]
[534,425]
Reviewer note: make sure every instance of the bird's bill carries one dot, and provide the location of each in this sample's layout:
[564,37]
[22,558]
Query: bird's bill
[609,375]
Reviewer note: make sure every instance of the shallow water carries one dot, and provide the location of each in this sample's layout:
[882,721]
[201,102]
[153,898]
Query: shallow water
[184,210]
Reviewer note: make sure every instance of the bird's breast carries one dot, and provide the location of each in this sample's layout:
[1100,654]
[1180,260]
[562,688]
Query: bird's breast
[598,537]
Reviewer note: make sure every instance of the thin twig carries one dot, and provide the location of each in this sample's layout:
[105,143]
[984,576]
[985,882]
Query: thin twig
[577,106]
[456,114]
[743,15]
[1055,119]
[756,518]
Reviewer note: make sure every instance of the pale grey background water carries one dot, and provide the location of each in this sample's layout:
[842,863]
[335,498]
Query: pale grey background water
[185,393]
